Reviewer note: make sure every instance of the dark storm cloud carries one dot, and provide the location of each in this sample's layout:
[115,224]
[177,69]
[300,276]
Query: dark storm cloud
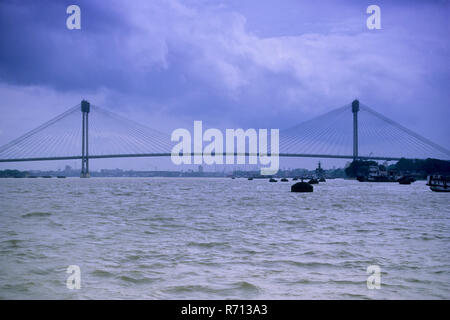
[39,50]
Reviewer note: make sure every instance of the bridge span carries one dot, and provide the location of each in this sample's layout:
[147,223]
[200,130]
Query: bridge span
[353,131]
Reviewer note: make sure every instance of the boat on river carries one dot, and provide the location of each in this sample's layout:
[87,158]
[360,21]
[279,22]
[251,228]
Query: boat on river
[439,183]
[377,175]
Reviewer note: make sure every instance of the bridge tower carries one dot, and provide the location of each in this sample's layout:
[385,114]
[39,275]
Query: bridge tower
[355,110]
[85,108]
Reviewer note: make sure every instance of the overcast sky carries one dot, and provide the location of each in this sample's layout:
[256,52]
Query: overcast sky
[231,63]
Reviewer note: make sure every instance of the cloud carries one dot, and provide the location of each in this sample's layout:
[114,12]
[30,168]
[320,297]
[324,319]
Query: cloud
[208,61]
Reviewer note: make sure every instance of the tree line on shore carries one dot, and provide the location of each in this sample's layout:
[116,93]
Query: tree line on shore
[415,167]
[13,174]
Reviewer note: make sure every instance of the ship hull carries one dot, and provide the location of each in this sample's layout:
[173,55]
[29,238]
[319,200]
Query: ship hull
[439,189]
[439,183]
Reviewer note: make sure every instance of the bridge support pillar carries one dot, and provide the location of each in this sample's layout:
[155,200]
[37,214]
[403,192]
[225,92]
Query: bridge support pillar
[85,108]
[355,110]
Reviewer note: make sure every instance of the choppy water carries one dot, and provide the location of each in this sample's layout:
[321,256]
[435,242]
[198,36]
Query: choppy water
[161,238]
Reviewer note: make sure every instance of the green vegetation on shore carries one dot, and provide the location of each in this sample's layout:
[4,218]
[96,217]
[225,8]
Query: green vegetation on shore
[428,166]
[415,167]
[359,168]
[13,174]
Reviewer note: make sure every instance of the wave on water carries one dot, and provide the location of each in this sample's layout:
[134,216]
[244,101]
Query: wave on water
[102,273]
[13,242]
[206,244]
[246,286]
[137,280]
[221,239]
[36,214]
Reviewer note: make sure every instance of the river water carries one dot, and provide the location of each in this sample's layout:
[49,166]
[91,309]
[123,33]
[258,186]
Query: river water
[205,238]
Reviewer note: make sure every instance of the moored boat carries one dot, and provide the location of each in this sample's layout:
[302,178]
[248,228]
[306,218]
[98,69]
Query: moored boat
[406,180]
[377,175]
[439,183]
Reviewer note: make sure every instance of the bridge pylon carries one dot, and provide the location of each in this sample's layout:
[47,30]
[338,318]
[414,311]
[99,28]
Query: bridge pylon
[85,108]
[355,110]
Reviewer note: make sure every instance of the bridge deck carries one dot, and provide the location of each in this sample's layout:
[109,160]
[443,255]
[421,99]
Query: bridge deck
[295,155]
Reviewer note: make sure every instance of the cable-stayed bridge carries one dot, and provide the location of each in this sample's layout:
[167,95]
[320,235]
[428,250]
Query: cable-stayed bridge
[353,131]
